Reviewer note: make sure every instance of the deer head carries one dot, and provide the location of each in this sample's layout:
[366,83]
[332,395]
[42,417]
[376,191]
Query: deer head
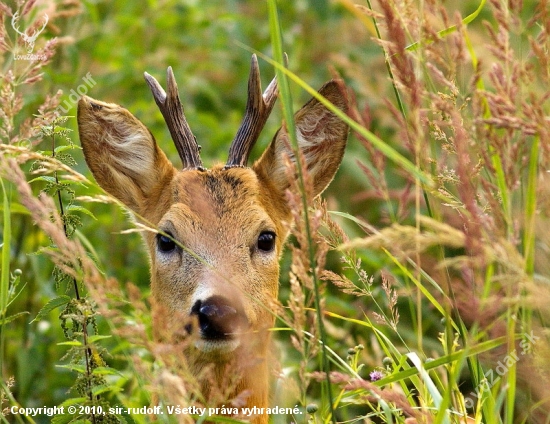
[28,39]
[221,231]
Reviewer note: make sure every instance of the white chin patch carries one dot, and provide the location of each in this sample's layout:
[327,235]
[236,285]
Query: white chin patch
[217,346]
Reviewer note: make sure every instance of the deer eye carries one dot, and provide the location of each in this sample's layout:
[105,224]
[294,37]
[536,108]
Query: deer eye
[266,241]
[165,243]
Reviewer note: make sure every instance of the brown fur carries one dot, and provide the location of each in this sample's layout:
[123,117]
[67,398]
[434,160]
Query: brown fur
[217,216]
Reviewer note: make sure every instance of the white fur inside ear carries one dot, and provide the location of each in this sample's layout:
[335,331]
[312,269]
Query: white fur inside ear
[313,134]
[131,150]
[309,144]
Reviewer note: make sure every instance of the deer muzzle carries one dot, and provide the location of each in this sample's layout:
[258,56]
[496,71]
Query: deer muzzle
[220,323]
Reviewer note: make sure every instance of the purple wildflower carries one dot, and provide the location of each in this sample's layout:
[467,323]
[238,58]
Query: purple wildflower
[376,375]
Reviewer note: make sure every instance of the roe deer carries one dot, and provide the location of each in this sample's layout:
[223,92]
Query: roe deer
[220,231]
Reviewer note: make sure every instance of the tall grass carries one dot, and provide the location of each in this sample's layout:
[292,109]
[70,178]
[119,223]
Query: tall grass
[467,126]
[426,303]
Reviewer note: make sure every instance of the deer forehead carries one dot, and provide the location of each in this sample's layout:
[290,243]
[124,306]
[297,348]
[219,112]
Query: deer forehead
[218,188]
[226,205]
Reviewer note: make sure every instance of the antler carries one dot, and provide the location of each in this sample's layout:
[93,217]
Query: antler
[172,110]
[258,108]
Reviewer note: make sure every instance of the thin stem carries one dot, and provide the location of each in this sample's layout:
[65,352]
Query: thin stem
[87,350]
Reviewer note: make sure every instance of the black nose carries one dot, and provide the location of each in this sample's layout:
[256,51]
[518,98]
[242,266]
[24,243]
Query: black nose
[218,318]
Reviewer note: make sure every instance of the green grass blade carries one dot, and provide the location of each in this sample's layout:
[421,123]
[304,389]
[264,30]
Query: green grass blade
[444,32]
[286,99]
[6,244]
[5,272]
[432,389]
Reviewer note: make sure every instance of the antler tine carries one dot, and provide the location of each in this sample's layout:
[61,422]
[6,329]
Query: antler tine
[172,111]
[258,108]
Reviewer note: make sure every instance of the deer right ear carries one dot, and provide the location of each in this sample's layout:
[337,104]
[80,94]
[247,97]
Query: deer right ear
[322,138]
[122,154]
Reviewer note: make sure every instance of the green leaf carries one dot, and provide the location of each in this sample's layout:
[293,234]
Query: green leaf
[46,178]
[70,343]
[76,208]
[96,337]
[106,371]
[74,367]
[5,320]
[97,390]
[74,401]
[51,305]
[47,153]
[71,182]
[64,147]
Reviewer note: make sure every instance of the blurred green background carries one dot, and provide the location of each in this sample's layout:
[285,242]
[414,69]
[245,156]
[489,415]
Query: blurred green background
[203,41]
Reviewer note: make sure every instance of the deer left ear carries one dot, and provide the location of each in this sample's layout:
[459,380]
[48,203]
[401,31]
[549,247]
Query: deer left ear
[122,154]
[322,138]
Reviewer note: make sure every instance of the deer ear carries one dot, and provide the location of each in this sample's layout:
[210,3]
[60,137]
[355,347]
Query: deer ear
[122,154]
[321,137]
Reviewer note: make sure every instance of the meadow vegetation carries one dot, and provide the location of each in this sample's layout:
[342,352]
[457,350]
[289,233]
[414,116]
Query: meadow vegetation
[417,291]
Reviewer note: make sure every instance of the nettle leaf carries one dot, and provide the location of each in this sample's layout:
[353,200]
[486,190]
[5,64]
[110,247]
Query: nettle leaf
[50,306]
[70,343]
[106,371]
[76,208]
[44,152]
[103,388]
[46,178]
[74,367]
[74,401]
[62,148]
[96,337]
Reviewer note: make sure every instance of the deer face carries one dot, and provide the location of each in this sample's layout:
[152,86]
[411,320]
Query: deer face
[214,260]
[226,274]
